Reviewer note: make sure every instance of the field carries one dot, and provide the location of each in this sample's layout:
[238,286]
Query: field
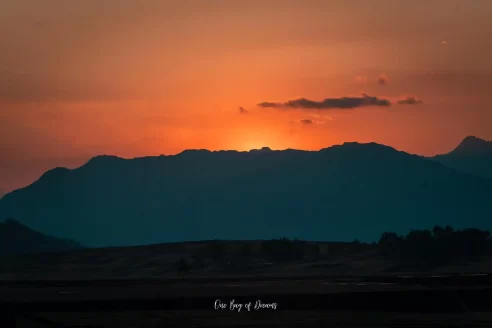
[216,258]
[340,285]
[298,303]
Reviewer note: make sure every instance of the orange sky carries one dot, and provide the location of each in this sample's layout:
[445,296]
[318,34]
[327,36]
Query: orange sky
[134,78]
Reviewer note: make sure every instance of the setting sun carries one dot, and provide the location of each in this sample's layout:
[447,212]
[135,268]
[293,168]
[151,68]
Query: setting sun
[252,144]
[254,76]
[258,138]
[177,141]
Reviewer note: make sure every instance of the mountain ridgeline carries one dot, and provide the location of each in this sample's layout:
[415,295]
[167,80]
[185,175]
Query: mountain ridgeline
[338,193]
[16,238]
[473,155]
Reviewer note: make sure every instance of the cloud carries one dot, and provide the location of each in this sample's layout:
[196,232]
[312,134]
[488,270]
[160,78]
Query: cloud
[410,101]
[330,103]
[382,80]
[242,110]
[307,122]
[266,104]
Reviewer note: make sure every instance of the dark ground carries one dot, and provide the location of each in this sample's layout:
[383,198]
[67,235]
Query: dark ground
[344,285]
[225,258]
[418,302]
[273,319]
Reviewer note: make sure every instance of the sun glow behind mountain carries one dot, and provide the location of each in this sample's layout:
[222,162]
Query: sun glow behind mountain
[80,79]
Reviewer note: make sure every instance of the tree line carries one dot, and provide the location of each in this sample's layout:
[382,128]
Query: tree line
[441,245]
[438,246]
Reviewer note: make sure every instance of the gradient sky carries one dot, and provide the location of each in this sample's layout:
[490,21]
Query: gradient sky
[134,78]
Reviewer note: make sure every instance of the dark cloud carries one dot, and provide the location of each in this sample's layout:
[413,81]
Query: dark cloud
[382,80]
[330,103]
[306,122]
[266,104]
[410,101]
[242,110]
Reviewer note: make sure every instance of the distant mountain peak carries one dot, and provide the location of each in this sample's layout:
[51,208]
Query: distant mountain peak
[472,145]
[13,222]
[103,158]
[353,145]
[13,226]
[472,156]
[195,151]
[262,150]
[16,238]
[57,172]
[472,140]
[338,192]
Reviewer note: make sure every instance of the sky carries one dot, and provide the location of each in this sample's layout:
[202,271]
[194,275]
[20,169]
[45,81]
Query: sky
[141,78]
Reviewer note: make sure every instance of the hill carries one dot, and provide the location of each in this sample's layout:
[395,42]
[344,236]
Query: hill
[16,238]
[442,250]
[337,193]
[473,155]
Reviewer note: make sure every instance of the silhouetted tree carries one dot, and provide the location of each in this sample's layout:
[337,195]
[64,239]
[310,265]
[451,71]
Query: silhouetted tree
[182,265]
[389,238]
[436,247]
[438,231]
[449,229]
[390,244]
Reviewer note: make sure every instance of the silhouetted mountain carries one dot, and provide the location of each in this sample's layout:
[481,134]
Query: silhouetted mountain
[338,193]
[473,146]
[473,155]
[16,238]
[1,192]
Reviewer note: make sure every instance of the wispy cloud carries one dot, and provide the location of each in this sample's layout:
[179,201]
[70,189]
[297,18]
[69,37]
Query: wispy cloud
[382,80]
[410,100]
[307,122]
[330,103]
[266,104]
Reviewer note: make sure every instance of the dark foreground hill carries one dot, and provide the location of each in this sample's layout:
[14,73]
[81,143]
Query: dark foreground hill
[337,193]
[16,238]
[442,250]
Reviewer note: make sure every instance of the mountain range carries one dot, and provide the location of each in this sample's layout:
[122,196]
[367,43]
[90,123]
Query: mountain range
[473,155]
[16,238]
[338,193]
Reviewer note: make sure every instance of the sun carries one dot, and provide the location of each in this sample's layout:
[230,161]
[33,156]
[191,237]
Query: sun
[253,141]
[254,145]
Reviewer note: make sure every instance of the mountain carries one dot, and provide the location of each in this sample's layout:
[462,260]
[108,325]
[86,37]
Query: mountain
[16,238]
[1,192]
[473,155]
[338,193]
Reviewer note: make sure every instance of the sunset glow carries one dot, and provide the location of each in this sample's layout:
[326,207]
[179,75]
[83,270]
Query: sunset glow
[79,80]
